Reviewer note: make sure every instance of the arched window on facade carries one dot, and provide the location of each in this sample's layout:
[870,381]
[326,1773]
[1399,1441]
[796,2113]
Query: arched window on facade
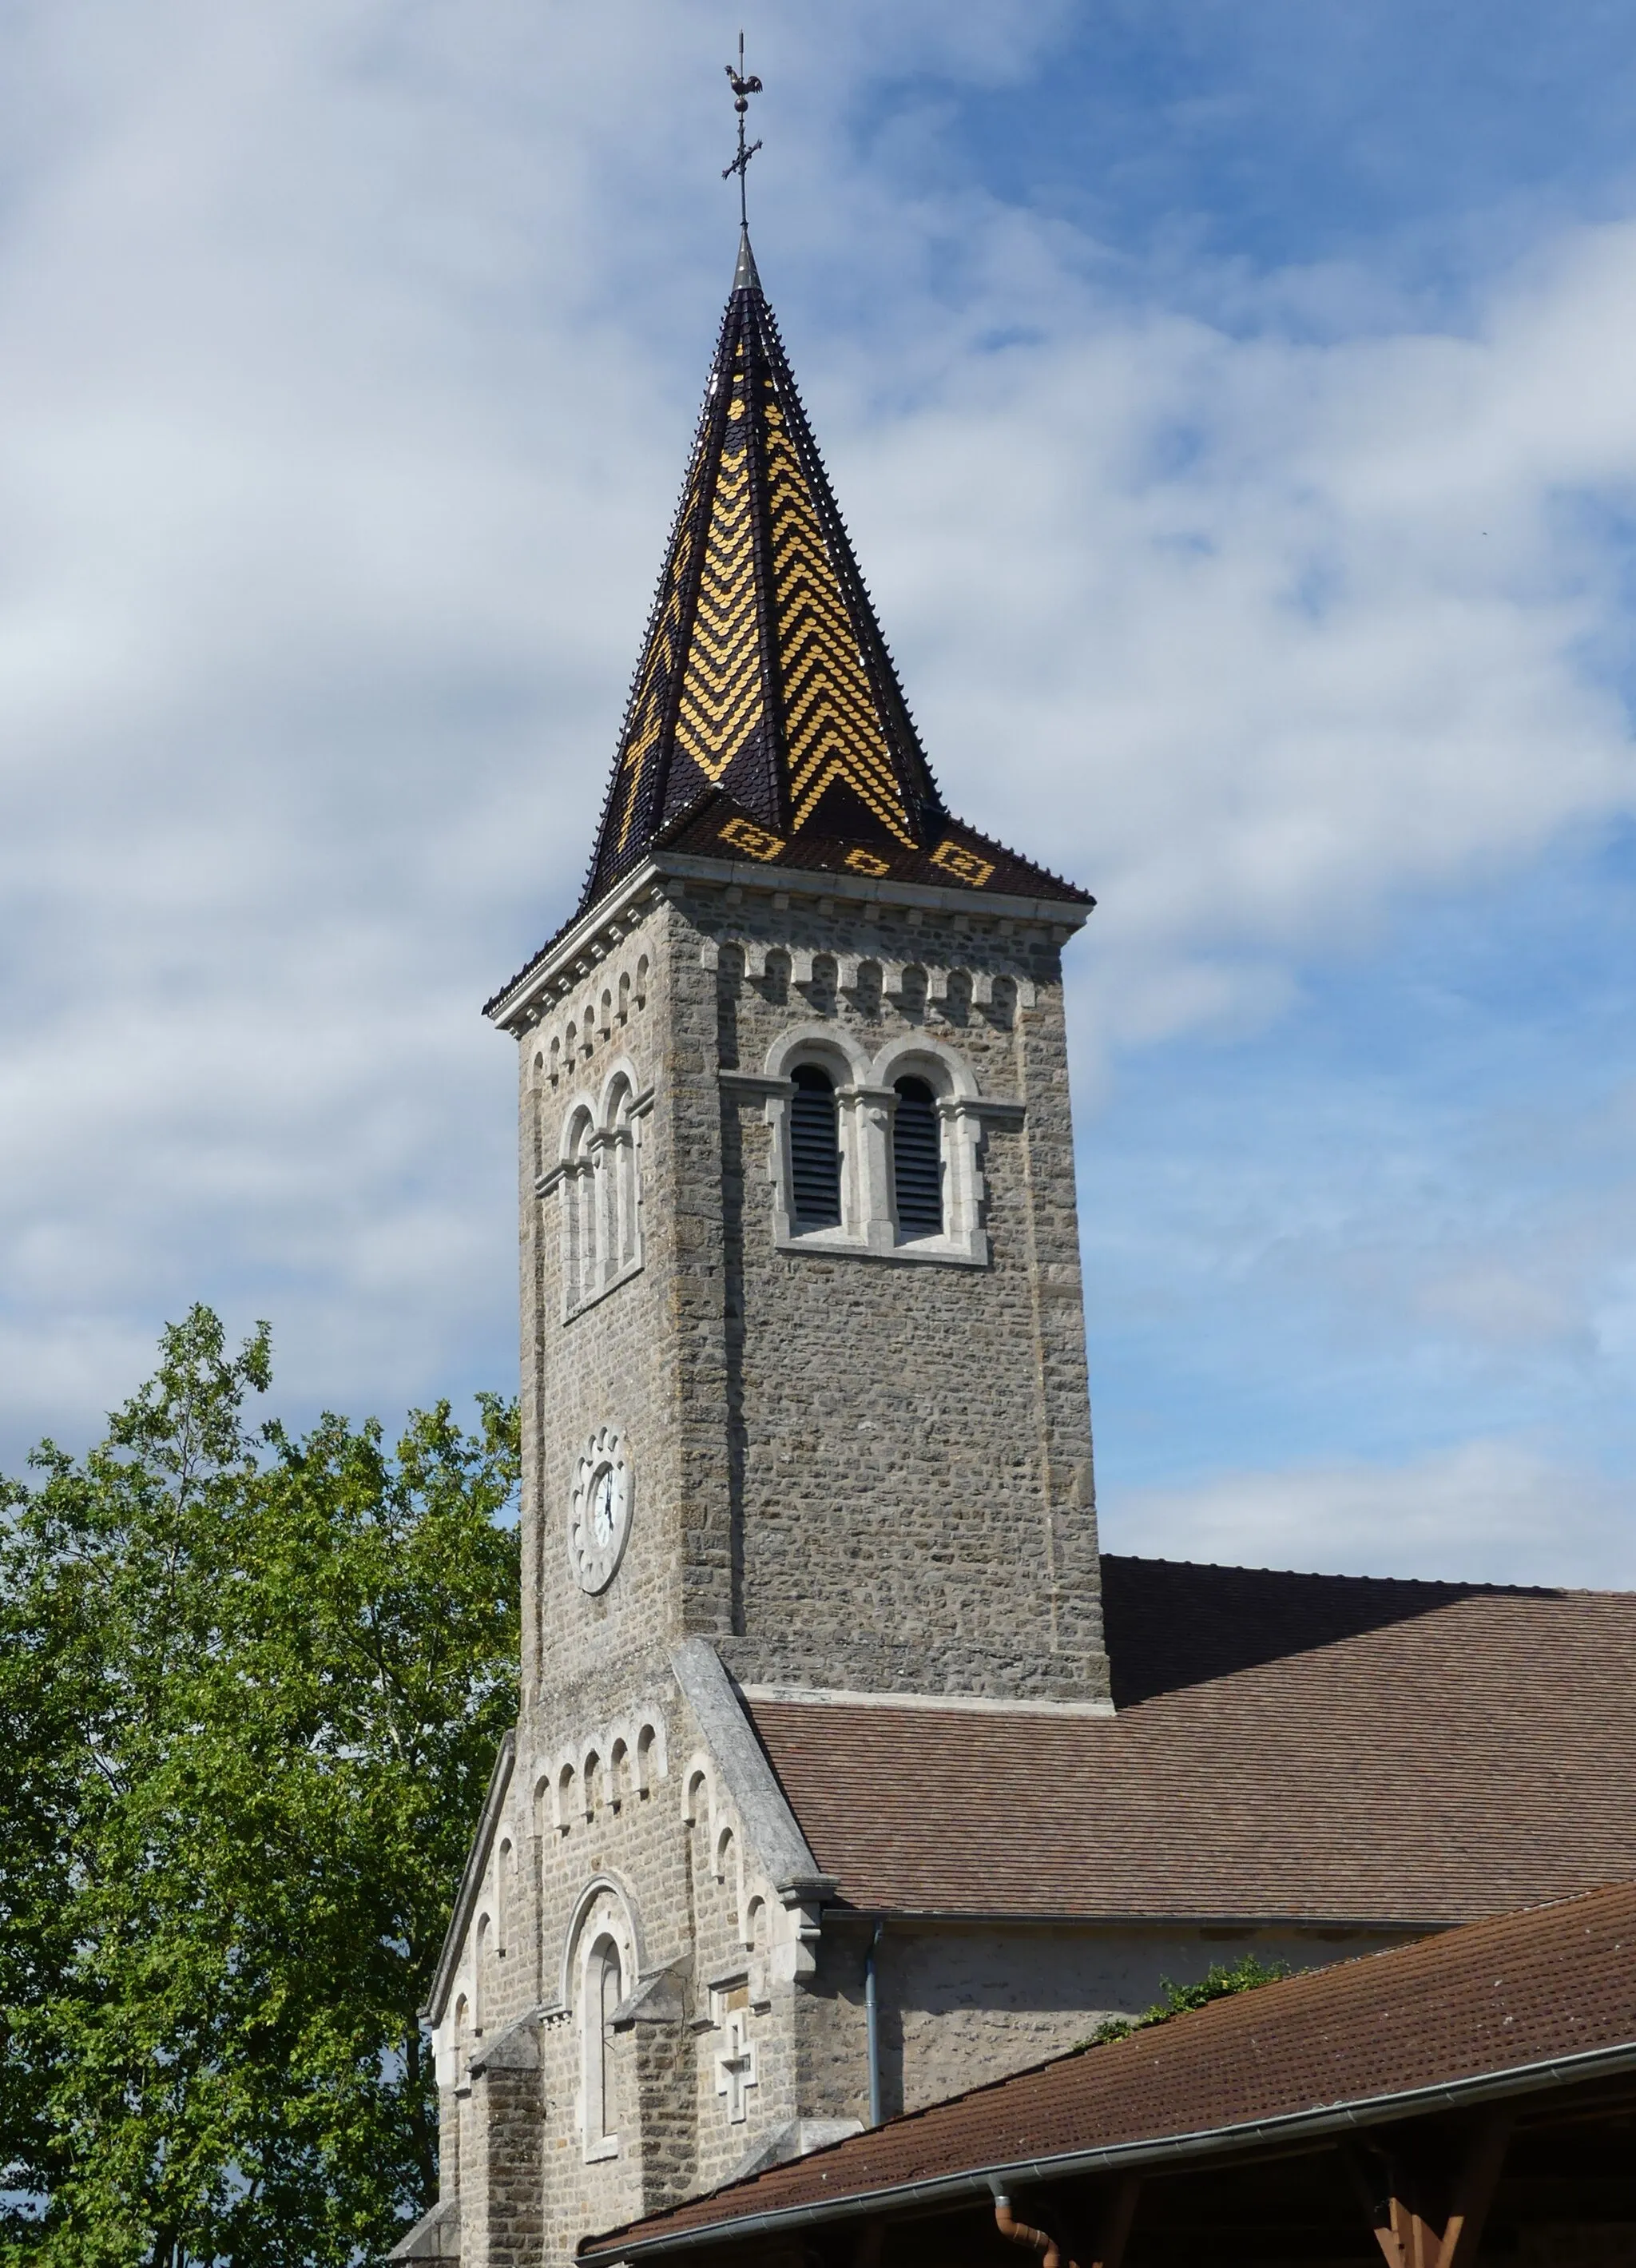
[624,1196]
[815,1150]
[602,1996]
[917,1160]
[480,1978]
[580,1197]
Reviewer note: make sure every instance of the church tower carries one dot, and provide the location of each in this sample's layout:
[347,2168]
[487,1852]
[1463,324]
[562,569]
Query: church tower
[803,1353]
[805,1409]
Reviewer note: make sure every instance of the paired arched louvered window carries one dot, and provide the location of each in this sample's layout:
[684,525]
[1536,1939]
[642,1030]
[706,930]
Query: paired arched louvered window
[917,1160]
[815,1150]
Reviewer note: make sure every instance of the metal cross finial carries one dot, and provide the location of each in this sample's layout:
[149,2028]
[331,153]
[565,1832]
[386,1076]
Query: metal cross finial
[742,90]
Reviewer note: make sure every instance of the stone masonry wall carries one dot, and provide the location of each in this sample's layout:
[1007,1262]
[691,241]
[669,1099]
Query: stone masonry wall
[634,1357]
[963,2005]
[851,1471]
[649,1846]
[912,1446]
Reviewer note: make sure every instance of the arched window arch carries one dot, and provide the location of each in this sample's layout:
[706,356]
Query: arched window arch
[815,1150]
[601,1993]
[579,1221]
[917,1160]
[481,1980]
[503,1868]
[623,1194]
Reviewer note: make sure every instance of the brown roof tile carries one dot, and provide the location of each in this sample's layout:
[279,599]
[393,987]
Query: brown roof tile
[1497,1997]
[1298,1747]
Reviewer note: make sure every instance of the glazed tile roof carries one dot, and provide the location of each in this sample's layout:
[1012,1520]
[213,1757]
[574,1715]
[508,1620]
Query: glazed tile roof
[1314,1748]
[763,672]
[1506,1995]
[951,855]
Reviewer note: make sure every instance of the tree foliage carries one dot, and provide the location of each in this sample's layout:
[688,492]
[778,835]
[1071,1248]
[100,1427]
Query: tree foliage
[250,1690]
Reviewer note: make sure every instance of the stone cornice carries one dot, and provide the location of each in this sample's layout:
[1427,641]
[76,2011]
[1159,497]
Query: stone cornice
[590,939]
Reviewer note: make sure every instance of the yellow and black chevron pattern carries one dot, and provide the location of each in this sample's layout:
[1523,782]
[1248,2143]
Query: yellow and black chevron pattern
[723,698]
[832,726]
[757,559]
[659,665]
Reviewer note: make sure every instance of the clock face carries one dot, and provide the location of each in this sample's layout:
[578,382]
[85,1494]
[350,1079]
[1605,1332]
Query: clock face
[599,1511]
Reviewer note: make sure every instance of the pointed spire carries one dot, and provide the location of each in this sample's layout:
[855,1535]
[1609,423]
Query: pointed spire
[764,673]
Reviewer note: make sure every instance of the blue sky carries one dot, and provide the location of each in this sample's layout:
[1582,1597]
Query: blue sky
[1232,406]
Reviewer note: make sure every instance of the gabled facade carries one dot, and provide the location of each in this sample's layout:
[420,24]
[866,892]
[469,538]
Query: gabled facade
[809,1812]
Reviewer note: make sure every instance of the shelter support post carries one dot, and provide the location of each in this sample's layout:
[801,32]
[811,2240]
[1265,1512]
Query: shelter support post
[1423,2217]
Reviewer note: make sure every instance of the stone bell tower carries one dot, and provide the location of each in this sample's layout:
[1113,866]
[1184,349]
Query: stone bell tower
[804,1395]
[803,1349]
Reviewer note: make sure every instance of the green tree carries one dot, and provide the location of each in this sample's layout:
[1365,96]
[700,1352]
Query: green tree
[250,1690]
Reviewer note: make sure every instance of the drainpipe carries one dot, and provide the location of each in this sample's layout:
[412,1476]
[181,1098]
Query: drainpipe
[872,2021]
[1033,2240]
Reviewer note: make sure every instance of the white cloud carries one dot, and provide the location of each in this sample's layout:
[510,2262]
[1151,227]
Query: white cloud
[348,358]
[1487,1511]
[1258,633]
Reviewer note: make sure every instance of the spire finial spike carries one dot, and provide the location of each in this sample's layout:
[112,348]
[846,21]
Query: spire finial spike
[742,90]
[744,276]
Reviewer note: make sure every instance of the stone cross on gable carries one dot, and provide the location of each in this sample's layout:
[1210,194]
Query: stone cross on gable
[735,2068]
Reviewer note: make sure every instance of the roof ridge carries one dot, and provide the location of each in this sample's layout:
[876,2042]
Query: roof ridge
[1467,1583]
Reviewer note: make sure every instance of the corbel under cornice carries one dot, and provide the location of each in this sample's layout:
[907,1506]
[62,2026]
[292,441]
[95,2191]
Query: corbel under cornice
[589,940]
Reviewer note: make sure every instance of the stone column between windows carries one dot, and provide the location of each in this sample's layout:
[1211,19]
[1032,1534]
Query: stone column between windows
[961,1117]
[863,1125]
